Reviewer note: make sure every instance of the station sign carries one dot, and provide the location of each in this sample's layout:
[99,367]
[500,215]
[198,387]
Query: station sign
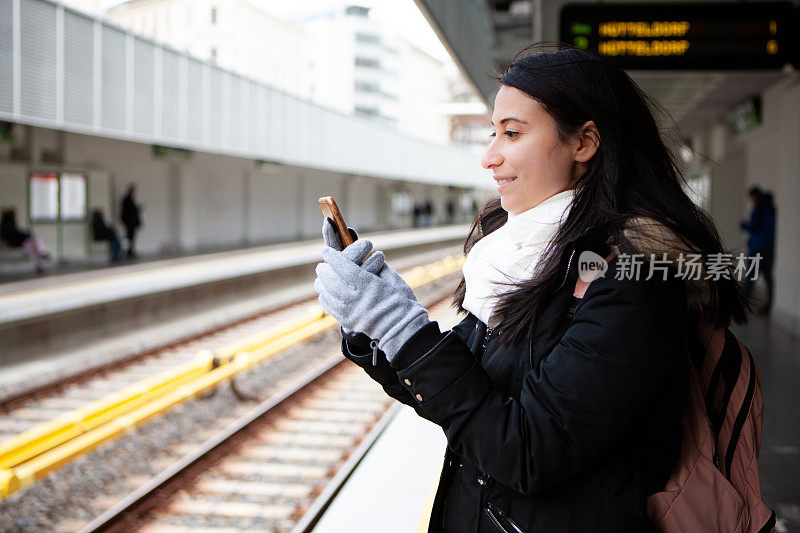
[704,36]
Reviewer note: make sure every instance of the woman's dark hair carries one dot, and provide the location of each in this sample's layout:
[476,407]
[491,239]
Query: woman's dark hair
[633,175]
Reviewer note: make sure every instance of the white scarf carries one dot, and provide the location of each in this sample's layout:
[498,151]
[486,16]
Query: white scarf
[511,254]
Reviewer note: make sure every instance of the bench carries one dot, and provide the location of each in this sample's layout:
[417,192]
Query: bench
[9,255]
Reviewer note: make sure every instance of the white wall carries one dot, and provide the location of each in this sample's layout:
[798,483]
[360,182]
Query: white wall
[768,156]
[272,200]
[130,163]
[208,201]
[13,184]
[783,103]
[361,201]
[728,187]
[212,201]
[315,184]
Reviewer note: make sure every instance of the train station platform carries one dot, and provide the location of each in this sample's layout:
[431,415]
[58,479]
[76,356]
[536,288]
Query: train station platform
[54,294]
[392,489]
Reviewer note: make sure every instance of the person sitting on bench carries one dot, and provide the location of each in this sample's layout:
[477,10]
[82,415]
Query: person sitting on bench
[103,232]
[16,238]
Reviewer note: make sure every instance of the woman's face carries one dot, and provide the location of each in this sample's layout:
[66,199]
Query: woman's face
[529,162]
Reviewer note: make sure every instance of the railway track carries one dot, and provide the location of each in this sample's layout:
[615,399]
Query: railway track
[109,369]
[277,467]
[58,505]
[27,408]
[269,468]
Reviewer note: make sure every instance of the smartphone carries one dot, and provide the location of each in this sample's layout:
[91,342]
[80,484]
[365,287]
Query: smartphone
[331,210]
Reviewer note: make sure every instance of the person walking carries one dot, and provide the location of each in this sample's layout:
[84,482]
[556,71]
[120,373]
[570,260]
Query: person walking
[561,413]
[131,219]
[14,237]
[761,240]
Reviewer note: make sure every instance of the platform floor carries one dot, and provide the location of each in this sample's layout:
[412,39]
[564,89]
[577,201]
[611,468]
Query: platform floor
[392,487]
[23,272]
[777,354]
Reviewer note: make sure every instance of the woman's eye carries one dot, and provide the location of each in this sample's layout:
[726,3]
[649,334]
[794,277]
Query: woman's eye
[508,133]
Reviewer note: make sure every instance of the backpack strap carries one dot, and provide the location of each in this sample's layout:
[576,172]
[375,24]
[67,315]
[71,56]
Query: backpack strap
[581,285]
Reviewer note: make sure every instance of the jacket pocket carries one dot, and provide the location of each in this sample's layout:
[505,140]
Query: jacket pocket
[501,520]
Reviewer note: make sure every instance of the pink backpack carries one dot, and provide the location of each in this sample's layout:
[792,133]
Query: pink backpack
[715,485]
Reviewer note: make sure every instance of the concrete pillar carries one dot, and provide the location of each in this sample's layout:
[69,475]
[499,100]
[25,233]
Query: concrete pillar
[175,173]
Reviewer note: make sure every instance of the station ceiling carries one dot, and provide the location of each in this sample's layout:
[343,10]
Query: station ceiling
[693,98]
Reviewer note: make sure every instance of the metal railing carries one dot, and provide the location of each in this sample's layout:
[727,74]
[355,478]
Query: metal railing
[66,70]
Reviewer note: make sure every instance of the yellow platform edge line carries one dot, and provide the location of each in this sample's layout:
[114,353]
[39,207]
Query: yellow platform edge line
[34,453]
[425,517]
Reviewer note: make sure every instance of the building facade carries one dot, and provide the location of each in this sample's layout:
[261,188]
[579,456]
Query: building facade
[234,34]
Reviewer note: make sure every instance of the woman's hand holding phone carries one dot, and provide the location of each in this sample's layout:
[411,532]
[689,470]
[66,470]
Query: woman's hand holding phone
[360,290]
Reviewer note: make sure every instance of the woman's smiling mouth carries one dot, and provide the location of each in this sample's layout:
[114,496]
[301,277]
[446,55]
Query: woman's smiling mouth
[503,181]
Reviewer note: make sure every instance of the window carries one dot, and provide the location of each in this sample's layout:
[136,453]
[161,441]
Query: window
[72,190]
[367,62]
[213,16]
[368,38]
[402,203]
[367,87]
[369,111]
[56,197]
[44,197]
[357,11]
[213,54]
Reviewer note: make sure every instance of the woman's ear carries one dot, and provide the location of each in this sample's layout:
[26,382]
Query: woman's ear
[588,142]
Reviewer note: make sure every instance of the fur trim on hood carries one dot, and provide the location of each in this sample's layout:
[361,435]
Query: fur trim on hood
[649,236]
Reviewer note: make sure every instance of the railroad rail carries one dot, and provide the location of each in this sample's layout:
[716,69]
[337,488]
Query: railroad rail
[288,457]
[276,468]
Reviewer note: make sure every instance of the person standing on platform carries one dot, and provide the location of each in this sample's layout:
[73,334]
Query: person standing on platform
[561,412]
[428,210]
[14,237]
[761,240]
[131,219]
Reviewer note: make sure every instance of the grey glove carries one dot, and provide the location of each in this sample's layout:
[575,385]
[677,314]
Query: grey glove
[331,237]
[363,302]
[375,264]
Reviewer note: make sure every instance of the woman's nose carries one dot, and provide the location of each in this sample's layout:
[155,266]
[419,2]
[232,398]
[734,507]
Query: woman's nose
[491,158]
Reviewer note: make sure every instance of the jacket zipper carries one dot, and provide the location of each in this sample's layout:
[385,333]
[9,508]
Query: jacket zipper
[374,345]
[566,274]
[491,510]
[495,521]
[486,336]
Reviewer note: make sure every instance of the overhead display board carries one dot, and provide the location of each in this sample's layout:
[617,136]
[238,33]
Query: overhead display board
[665,36]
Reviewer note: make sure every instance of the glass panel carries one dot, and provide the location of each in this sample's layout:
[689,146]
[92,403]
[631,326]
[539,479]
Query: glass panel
[44,197]
[73,196]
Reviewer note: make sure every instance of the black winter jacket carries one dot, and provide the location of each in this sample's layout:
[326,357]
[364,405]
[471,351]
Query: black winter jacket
[570,431]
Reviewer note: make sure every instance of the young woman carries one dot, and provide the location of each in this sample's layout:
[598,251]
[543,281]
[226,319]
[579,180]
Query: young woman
[561,414]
